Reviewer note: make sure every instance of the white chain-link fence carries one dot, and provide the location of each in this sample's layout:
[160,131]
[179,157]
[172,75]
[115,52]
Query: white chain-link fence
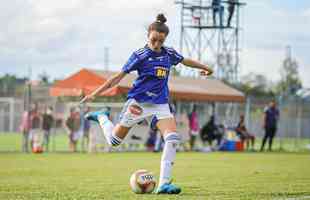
[294,120]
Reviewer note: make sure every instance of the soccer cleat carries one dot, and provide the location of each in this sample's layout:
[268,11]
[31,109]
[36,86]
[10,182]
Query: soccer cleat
[168,188]
[93,116]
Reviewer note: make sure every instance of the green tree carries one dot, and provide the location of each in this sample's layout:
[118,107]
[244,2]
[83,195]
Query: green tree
[256,85]
[7,85]
[290,81]
[10,85]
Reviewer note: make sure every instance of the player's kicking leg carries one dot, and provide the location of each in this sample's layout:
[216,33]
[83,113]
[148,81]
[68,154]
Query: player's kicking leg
[114,135]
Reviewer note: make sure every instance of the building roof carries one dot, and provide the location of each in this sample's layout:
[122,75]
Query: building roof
[181,88]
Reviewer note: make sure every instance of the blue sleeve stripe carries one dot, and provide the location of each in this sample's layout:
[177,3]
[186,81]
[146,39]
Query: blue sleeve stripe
[131,64]
[140,51]
[179,56]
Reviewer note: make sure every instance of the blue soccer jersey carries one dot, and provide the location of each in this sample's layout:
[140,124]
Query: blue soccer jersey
[153,69]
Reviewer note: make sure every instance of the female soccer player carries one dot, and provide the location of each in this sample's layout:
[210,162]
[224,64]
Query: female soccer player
[148,97]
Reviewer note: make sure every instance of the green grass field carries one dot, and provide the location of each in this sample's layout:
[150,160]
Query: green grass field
[11,142]
[201,175]
[248,175]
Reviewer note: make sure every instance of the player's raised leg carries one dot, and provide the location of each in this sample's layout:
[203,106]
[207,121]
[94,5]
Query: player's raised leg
[131,114]
[167,127]
[114,135]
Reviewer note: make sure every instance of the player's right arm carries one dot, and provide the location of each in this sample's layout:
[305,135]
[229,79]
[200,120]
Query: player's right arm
[113,81]
[131,65]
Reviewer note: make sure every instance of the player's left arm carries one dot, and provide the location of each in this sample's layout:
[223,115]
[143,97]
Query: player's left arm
[206,71]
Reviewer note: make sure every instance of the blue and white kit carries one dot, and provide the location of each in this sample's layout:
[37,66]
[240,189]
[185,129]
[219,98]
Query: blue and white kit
[149,95]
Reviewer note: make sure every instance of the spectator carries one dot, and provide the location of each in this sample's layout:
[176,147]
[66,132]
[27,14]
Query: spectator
[244,135]
[48,121]
[152,139]
[193,127]
[35,126]
[271,118]
[231,10]
[25,129]
[73,125]
[210,132]
[86,130]
[217,8]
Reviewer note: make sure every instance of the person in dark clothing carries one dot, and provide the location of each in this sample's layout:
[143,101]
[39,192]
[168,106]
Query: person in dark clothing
[47,123]
[35,125]
[86,130]
[210,132]
[193,122]
[244,135]
[231,10]
[271,118]
[151,140]
[73,124]
[217,8]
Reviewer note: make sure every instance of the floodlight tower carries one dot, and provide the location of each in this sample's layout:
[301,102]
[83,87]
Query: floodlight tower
[207,35]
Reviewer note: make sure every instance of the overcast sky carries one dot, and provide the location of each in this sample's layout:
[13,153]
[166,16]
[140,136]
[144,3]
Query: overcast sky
[62,36]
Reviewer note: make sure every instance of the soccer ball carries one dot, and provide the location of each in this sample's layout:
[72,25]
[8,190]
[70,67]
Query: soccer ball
[142,181]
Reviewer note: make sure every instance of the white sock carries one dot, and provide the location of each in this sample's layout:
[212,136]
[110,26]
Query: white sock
[168,157]
[107,126]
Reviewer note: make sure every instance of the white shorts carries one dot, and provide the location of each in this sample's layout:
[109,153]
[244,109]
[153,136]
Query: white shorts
[134,112]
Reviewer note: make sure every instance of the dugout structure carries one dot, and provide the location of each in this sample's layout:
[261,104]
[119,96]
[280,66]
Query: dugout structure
[181,88]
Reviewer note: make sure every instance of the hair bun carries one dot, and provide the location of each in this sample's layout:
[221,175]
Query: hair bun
[161,18]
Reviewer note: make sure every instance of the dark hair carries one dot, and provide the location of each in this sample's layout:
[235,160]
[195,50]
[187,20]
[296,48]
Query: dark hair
[159,25]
